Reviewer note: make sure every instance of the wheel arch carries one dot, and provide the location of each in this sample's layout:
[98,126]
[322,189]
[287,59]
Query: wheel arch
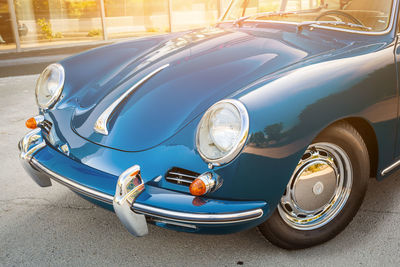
[368,135]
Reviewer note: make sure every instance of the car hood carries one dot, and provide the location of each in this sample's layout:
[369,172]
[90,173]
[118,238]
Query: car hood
[205,66]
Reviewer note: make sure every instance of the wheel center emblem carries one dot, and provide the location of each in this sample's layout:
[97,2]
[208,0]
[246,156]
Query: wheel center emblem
[318,188]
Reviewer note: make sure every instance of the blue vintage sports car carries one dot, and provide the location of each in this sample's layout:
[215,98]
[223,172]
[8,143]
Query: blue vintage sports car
[276,117]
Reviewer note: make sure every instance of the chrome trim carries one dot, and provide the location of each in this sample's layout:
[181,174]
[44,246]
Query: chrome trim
[194,218]
[209,180]
[39,119]
[387,30]
[46,126]
[157,179]
[198,218]
[179,180]
[390,168]
[305,205]
[101,123]
[312,24]
[65,149]
[129,186]
[275,22]
[31,143]
[55,97]
[124,181]
[244,116]
[84,190]
[182,174]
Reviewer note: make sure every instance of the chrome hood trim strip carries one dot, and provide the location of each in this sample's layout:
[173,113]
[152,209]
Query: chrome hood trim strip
[101,123]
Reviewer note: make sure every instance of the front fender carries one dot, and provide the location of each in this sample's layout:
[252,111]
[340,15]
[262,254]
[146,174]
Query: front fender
[288,111]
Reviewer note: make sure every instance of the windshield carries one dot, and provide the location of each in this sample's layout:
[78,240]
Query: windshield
[362,15]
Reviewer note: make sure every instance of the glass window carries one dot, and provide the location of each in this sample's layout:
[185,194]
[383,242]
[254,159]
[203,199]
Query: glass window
[189,14]
[54,22]
[6,33]
[125,18]
[59,22]
[363,15]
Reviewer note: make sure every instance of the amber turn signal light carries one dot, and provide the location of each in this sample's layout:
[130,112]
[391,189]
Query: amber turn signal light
[34,122]
[203,184]
[198,188]
[31,123]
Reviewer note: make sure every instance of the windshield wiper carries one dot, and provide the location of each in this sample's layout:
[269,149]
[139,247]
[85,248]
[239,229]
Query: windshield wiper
[300,26]
[239,21]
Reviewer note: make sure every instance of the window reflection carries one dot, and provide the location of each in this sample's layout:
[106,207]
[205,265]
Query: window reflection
[188,14]
[125,18]
[6,34]
[58,21]
[53,22]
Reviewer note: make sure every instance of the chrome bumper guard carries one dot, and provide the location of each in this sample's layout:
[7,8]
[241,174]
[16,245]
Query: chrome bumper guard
[129,186]
[29,145]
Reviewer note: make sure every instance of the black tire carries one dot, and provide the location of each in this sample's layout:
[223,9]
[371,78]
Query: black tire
[281,234]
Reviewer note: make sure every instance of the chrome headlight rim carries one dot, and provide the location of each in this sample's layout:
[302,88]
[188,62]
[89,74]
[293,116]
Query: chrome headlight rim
[244,132]
[49,104]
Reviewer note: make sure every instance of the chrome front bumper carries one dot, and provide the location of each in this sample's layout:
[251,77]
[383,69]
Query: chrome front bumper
[31,143]
[131,213]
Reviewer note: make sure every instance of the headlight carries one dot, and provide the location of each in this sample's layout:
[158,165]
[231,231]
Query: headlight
[222,132]
[49,86]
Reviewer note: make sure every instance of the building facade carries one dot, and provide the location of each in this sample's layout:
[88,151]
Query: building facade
[27,24]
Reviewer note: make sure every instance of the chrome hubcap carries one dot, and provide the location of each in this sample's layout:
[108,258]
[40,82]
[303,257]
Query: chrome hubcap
[318,189]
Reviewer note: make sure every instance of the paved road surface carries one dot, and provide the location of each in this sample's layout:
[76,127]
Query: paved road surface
[53,226]
[34,61]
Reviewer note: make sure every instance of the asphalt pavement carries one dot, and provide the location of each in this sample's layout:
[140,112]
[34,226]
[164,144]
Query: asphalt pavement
[34,61]
[53,226]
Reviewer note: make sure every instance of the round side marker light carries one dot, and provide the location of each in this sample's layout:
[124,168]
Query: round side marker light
[198,188]
[31,123]
[202,184]
[34,122]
